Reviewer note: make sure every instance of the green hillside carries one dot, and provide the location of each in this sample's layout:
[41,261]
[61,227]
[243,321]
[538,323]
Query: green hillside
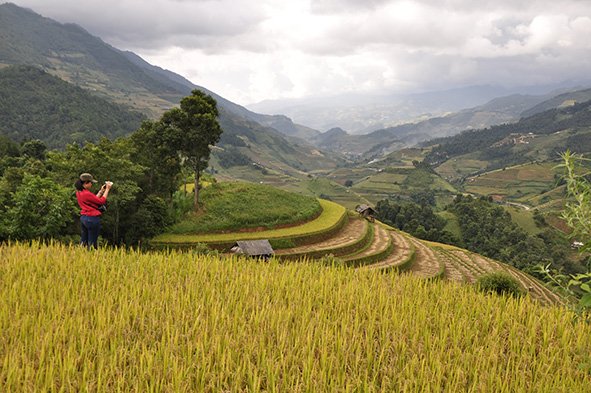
[537,138]
[36,105]
[71,53]
[122,320]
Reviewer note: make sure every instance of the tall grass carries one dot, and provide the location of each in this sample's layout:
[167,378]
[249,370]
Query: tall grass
[112,320]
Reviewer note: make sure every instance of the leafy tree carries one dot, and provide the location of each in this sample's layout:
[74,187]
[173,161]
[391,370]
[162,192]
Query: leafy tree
[35,149]
[109,161]
[153,147]
[194,128]
[41,209]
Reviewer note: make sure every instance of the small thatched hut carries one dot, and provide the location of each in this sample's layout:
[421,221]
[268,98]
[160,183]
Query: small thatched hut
[366,212]
[254,248]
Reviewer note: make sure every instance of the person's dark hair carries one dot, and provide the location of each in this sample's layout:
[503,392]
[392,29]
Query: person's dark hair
[79,185]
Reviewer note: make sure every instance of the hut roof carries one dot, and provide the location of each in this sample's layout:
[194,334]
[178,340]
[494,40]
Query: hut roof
[364,208]
[255,248]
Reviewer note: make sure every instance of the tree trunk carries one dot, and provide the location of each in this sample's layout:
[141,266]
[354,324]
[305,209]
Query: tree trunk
[196,200]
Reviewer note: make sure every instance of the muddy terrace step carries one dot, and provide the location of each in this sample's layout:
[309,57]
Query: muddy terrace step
[426,262]
[400,257]
[378,249]
[354,235]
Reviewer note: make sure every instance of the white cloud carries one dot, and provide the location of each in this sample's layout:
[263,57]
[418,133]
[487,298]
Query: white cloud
[249,51]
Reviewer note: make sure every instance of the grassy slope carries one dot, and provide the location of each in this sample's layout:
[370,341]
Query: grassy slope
[176,322]
[524,219]
[331,216]
[235,206]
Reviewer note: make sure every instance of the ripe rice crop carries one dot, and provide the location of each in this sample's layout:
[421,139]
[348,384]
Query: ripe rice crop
[116,320]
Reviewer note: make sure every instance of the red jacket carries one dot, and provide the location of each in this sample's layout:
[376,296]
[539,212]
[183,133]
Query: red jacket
[89,203]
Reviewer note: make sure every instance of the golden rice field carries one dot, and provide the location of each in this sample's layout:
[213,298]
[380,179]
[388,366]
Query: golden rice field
[112,320]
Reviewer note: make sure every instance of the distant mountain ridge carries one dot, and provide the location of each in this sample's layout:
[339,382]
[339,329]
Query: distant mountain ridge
[364,113]
[539,137]
[381,142]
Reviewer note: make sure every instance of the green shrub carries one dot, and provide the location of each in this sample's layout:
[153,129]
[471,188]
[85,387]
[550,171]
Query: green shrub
[500,283]
[282,243]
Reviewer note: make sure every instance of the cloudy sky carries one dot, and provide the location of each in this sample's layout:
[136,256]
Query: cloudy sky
[249,51]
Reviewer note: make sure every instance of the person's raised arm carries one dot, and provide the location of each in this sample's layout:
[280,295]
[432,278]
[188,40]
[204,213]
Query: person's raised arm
[101,191]
[104,191]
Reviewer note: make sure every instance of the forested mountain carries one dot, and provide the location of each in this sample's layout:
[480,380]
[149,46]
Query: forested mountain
[561,100]
[538,137]
[36,105]
[68,52]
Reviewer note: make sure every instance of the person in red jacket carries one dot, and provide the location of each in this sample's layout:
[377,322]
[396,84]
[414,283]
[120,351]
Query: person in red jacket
[90,213]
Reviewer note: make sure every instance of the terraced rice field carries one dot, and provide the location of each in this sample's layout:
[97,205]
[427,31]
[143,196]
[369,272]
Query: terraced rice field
[402,253]
[374,246]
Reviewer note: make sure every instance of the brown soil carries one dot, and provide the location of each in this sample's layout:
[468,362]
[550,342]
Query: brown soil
[425,263]
[401,252]
[350,233]
[379,243]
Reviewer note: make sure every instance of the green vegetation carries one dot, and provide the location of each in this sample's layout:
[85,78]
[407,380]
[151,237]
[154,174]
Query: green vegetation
[236,206]
[578,208]
[526,220]
[487,229]
[36,105]
[578,216]
[145,168]
[332,218]
[418,220]
[500,283]
[191,130]
[118,320]
[38,209]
